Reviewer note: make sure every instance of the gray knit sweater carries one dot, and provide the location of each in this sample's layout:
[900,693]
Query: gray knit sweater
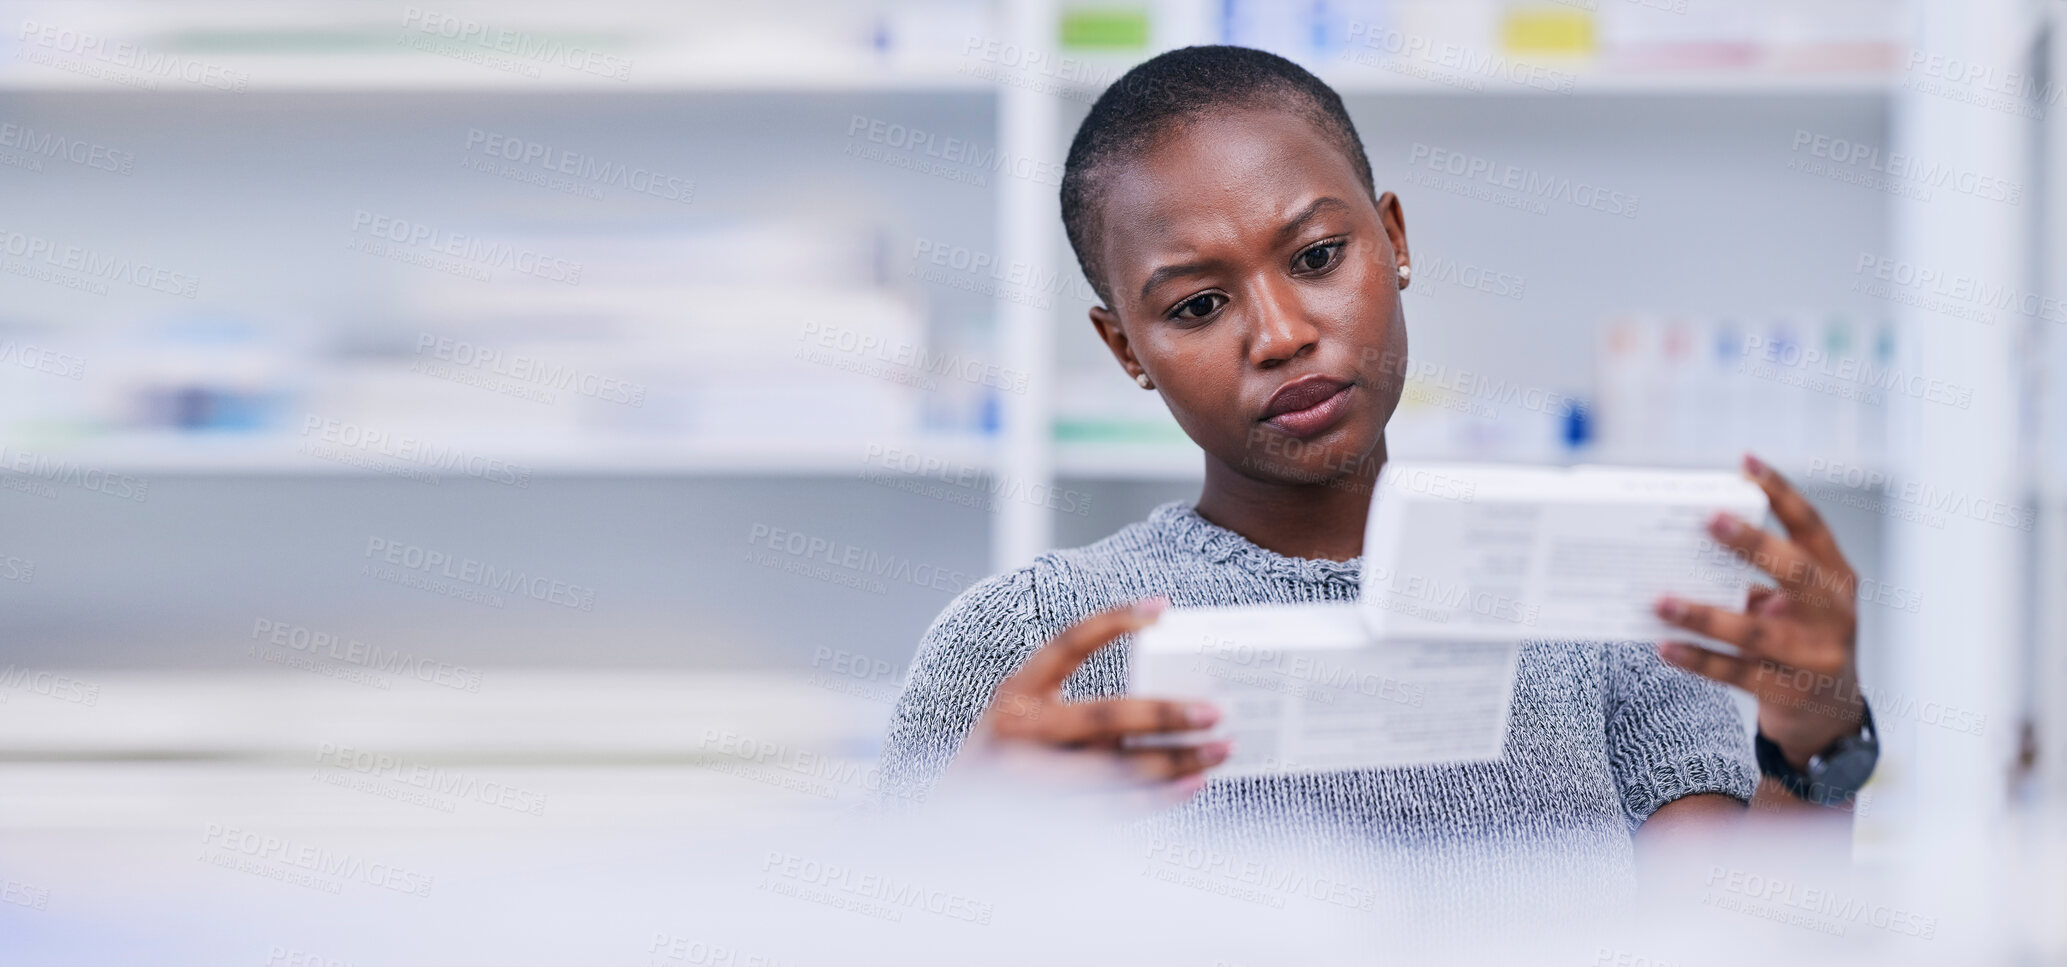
[1599,737]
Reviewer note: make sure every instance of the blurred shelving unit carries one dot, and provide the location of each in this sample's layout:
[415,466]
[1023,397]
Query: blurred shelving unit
[1030,67]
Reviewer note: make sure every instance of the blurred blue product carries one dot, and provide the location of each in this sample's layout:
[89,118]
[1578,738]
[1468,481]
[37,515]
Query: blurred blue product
[1307,31]
[1578,425]
[1729,345]
[990,415]
[208,373]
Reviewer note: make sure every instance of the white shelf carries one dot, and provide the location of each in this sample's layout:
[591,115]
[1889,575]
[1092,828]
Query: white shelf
[275,455]
[392,76]
[299,701]
[1357,80]
[218,46]
[1608,83]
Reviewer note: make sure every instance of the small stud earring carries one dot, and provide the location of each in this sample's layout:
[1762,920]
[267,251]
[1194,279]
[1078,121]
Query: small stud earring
[1406,273]
[1141,379]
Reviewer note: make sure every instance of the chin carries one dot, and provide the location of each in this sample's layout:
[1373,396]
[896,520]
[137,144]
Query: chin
[1270,454]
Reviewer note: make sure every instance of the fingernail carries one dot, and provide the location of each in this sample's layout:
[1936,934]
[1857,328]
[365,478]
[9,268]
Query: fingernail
[1150,607]
[1722,525]
[1670,608]
[1754,467]
[1199,715]
[1671,651]
[1190,784]
[1215,753]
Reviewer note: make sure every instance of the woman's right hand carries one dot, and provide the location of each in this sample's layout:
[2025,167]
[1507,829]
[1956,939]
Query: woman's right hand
[1029,730]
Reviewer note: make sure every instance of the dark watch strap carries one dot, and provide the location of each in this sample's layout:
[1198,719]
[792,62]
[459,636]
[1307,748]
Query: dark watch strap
[1835,775]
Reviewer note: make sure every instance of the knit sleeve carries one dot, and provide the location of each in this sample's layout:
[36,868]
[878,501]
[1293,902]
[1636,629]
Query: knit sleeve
[981,637]
[1671,734]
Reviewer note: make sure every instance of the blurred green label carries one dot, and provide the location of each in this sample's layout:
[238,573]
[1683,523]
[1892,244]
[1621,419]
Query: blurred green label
[1105,28]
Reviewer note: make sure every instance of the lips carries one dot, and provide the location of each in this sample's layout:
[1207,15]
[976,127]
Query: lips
[1308,405]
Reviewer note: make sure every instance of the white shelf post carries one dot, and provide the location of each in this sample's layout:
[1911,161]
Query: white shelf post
[1959,650]
[1027,120]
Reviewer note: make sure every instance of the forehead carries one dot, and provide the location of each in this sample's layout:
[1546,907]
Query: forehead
[1217,180]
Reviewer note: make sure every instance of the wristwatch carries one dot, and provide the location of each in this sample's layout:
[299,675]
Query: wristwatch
[1834,775]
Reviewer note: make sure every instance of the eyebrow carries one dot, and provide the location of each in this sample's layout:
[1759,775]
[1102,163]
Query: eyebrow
[1165,273]
[1307,214]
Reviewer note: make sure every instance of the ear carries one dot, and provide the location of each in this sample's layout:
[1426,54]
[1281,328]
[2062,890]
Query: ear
[1107,323]
[1395,222]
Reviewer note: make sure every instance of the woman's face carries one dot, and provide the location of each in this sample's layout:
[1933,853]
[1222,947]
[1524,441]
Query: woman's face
[1256,283]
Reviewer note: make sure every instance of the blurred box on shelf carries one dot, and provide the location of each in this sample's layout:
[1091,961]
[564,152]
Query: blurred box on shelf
[1456,412]
[1548,30]
[192,372]
[1793,386]
[1834,35]
[1491,45]
[1778,35]
[776,337]
[694,360]
[527,44]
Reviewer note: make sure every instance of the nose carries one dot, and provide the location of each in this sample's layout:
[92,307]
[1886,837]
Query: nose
[1281,331]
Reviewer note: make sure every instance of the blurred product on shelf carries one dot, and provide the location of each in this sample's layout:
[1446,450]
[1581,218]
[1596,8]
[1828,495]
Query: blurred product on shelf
[768,335]
[204,373]
[707,335]
[1455,40]
[1671,390]
[1474,44]
[1794,386]
[528,44]
[1679,390]
[189,372]
[1457,412]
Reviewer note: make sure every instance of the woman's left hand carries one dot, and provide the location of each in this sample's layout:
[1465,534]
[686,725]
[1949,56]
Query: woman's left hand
[1798,643]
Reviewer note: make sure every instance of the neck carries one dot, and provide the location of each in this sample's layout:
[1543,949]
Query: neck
[1317,520]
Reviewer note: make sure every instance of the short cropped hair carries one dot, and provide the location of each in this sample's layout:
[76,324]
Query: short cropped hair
[1168,91]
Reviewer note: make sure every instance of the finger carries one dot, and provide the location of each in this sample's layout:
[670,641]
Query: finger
[1176,762]
[1767,602]
[1746,631]
[1111,719]
[1060,657]
[1773,554]
[1804,525]
[1714,665]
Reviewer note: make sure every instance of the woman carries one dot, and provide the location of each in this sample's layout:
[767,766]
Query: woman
[1222,207]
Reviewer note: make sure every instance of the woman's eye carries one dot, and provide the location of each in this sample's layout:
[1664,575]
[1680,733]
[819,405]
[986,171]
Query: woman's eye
[1318,257]
[1198,306]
